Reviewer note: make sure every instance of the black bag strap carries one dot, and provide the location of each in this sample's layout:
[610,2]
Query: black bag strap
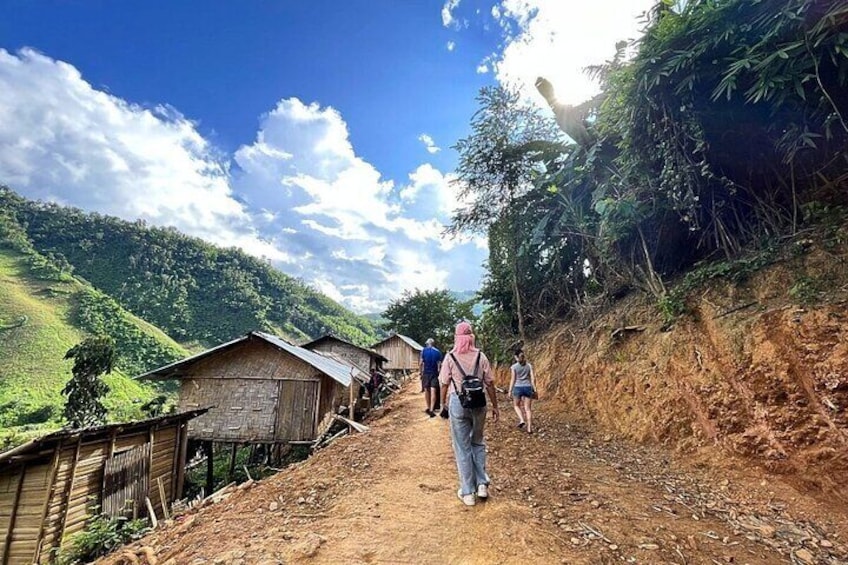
[461,370]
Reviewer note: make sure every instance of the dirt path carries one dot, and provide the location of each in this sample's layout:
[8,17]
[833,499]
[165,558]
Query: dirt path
[558,496]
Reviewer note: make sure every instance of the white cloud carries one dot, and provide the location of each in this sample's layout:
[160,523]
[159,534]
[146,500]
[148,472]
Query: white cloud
[298,195]
[451,45]
[496,12]
[448,18]
[63,141]
[482,69]
[429,144]
[557,40]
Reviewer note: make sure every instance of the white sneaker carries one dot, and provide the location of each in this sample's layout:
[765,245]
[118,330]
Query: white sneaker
[482,491]
[467,499]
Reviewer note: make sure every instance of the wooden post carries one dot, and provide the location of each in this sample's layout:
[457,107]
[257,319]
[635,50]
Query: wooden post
[61,533]
[181,463]
[7,546]
[210,470]
[54,470]
[232,470]
[352,401]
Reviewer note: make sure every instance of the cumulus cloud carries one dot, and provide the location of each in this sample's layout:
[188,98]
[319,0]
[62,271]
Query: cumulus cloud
[298,194]
[429,144]
[451,45]
[63,141]
[482,69]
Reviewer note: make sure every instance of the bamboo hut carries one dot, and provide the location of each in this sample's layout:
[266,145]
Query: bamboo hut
[361,357]
[261,389]
[50,486]
[403,353]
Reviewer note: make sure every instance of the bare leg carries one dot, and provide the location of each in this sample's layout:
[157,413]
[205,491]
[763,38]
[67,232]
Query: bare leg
[516,405]
[428,394]
[432,395]
[528,414]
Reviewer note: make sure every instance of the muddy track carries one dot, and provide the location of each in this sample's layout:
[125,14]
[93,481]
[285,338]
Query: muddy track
[561,495]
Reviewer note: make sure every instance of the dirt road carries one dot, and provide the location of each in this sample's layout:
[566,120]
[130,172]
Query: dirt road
[558,496]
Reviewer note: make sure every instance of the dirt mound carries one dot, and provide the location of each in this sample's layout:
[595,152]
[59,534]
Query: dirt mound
[752,372]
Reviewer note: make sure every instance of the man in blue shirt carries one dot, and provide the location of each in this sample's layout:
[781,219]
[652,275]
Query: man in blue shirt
[428,367]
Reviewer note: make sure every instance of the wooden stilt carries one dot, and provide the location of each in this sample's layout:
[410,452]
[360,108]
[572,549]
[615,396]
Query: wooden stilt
[232,470]
[210,467]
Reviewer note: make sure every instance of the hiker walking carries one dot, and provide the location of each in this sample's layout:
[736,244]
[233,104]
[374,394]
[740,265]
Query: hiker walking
[467,377]
[428,366]
[522,390]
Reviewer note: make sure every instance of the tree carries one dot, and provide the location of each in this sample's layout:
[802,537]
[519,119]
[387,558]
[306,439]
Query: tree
[422,314]
[510,145]
[92,357]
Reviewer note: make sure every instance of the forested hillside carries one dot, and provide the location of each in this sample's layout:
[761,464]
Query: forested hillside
[43,313]
[193,291]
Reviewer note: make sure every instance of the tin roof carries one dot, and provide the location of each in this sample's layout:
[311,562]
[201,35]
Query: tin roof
[333,368]
[408,340]
[309,345]
[34,446]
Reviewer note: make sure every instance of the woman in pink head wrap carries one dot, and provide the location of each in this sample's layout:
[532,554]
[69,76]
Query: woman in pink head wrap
[467,424]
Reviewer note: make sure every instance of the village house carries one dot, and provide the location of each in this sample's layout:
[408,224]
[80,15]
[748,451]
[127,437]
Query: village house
[262,389]
[403,353]
[51,486]
[363,358]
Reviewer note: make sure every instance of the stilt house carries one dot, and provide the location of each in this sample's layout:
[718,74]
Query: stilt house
[403,353]
[262,389]
[51,486]
[363,358]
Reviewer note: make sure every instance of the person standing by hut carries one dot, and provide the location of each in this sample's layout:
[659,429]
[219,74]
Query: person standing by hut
[428,366]
[522,390]
[466,376]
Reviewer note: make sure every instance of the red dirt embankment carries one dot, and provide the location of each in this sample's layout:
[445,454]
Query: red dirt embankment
[750,376]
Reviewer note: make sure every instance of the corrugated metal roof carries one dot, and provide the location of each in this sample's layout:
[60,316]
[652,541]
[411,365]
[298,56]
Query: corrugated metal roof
[408,340]
[308,345]
[37,443]
[333,368]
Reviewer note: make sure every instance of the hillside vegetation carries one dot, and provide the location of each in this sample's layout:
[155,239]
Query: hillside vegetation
[193,291]
[41,317]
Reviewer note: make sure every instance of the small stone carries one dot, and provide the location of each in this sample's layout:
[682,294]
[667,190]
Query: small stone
[595,504]
[613,547]
[650,546]
[273,507]
[607,438]
[301,500]
[825,543]
[805,556]
[575,541]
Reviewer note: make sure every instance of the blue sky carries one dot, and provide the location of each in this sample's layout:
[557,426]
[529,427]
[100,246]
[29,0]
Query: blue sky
[316,134]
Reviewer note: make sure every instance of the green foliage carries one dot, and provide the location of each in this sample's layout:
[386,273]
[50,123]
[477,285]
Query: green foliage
[192,290]
[93,357]
[718,133]
[101,536]
[138,350]
[38,324]
[422,314]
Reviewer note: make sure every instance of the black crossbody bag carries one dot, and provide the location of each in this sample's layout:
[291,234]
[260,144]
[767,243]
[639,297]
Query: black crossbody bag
[472,393]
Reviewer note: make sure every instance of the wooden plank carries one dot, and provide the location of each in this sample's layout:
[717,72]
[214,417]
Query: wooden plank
[180,461]
[7,544]
[54,472]
[72,472]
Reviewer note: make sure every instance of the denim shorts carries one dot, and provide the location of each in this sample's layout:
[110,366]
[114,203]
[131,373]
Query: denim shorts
[522,391]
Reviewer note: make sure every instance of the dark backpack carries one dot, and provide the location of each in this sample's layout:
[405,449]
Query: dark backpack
[473,391]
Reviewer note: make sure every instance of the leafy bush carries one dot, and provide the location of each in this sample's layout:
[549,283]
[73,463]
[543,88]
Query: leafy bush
[101,536]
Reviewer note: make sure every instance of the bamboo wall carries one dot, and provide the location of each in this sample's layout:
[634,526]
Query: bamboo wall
[49,497]
[401,356]
[258,394]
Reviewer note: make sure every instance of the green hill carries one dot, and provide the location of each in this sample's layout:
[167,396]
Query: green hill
[41,317]
[193,291]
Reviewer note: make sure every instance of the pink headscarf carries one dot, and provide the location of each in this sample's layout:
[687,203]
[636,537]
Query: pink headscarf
[463,341]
